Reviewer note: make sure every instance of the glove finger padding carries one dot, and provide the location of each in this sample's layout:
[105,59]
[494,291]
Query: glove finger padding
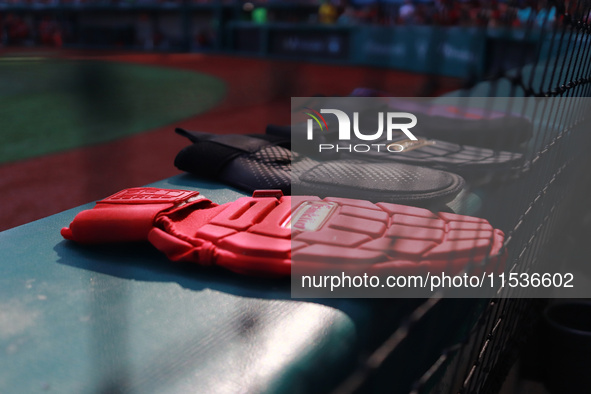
[245,236]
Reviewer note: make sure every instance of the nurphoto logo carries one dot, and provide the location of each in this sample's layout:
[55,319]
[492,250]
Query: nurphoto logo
[390,119]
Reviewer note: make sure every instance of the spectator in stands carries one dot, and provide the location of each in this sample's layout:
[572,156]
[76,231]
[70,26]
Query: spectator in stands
[423,14]
[16,30]
[327,13]
[546,15]
[446,12]
[524,13]
[489,14]
[49,32]
[348,17]
[538,13]
[407,13]
[259,15]
[508,17]
[370,13]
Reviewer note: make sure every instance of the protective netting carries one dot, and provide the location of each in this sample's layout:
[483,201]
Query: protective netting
[538,213]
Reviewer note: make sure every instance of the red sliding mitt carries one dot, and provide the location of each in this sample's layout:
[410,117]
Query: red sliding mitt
[260,235]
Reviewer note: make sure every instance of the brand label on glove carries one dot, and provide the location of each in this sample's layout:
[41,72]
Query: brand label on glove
[310,216]
[143,195]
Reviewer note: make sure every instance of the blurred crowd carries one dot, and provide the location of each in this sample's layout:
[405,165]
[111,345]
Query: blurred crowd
[17,28]
[439,12]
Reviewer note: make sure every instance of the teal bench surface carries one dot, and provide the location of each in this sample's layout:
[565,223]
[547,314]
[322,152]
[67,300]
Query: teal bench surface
[123,318]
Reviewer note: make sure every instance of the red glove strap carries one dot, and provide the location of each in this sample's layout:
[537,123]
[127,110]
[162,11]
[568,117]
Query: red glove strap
[127,215]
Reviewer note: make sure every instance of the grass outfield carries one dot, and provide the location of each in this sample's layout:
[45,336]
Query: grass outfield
[49,106]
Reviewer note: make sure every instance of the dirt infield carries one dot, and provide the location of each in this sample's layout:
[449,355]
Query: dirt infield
[258,93]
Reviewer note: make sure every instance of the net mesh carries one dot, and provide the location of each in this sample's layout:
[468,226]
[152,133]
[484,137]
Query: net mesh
[549,56]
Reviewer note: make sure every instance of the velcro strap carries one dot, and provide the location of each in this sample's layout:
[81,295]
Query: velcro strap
[210,153]
[128,215]
[243,143]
